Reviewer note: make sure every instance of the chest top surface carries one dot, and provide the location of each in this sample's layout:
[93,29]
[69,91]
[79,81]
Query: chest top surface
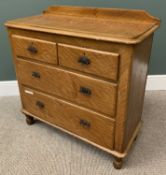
[117,25]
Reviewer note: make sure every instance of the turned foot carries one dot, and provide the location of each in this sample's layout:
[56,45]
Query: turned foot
[117,163]
[29,120]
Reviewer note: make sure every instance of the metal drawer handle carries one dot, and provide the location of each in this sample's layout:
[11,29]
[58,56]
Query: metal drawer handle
[36,74]
[40,104]
[85,123]
[85,91]
[84,60]
[32,49]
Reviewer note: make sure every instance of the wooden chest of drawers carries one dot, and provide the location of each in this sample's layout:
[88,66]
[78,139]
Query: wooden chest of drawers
[83,70]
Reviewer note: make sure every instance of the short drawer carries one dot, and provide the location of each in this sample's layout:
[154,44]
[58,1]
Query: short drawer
[36,49]
[80,121]
[100,63]
[95,94]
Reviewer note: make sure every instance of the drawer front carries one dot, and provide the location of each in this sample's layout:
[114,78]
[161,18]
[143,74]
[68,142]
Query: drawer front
[80,121]
[89,92]
[35,49]
[100,63]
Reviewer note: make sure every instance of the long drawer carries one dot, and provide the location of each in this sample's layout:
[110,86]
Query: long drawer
[41,50]
[96,62]
[78,120]
[89,92]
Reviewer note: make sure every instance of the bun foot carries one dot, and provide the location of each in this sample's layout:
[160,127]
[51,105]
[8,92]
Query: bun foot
[30,120]
[117,163]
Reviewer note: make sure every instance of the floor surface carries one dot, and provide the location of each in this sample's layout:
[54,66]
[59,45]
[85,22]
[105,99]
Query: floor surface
[43,150]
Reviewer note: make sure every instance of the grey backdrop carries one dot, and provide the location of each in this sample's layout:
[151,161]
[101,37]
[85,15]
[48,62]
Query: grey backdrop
[10,9]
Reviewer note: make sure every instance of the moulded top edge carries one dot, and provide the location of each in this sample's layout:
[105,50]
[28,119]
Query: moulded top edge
[116,25]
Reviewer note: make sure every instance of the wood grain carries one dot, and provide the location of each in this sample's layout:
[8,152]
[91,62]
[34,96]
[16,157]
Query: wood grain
[102,13]
[125,26]
[137,87]
[67,85]
[68,116]
[123,95]
[104,64]
[46,51]
[117,42]
[130,104]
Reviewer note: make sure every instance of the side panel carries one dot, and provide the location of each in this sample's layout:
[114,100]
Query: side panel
[122,95]
[137,87]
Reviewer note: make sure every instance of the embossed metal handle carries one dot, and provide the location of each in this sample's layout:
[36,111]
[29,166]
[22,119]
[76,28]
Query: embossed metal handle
[36,74]
[40,104]
[85,123]
[32,49]
[84,60]
[85,91]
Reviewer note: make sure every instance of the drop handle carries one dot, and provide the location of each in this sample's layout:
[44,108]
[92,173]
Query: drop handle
[84,60]
[36,74]
[85,90]
[40,104]
[32,49]
[85,123]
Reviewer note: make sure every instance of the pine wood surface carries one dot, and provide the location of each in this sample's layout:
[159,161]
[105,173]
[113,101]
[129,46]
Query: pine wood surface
[67,85]
[138,78]
[68,116]
[117,44]
[103,24]
[45,51]
[104,64]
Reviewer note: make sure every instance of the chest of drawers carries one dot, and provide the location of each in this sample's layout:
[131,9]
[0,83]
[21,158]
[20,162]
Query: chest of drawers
[83,71]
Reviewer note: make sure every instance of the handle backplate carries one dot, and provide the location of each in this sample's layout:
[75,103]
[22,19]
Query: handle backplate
[36,74]
[84,60]
[85,123]
[40,104]
[85,90]
[32,49]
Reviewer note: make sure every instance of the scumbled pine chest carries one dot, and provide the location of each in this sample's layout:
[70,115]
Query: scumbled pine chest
[84,70]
